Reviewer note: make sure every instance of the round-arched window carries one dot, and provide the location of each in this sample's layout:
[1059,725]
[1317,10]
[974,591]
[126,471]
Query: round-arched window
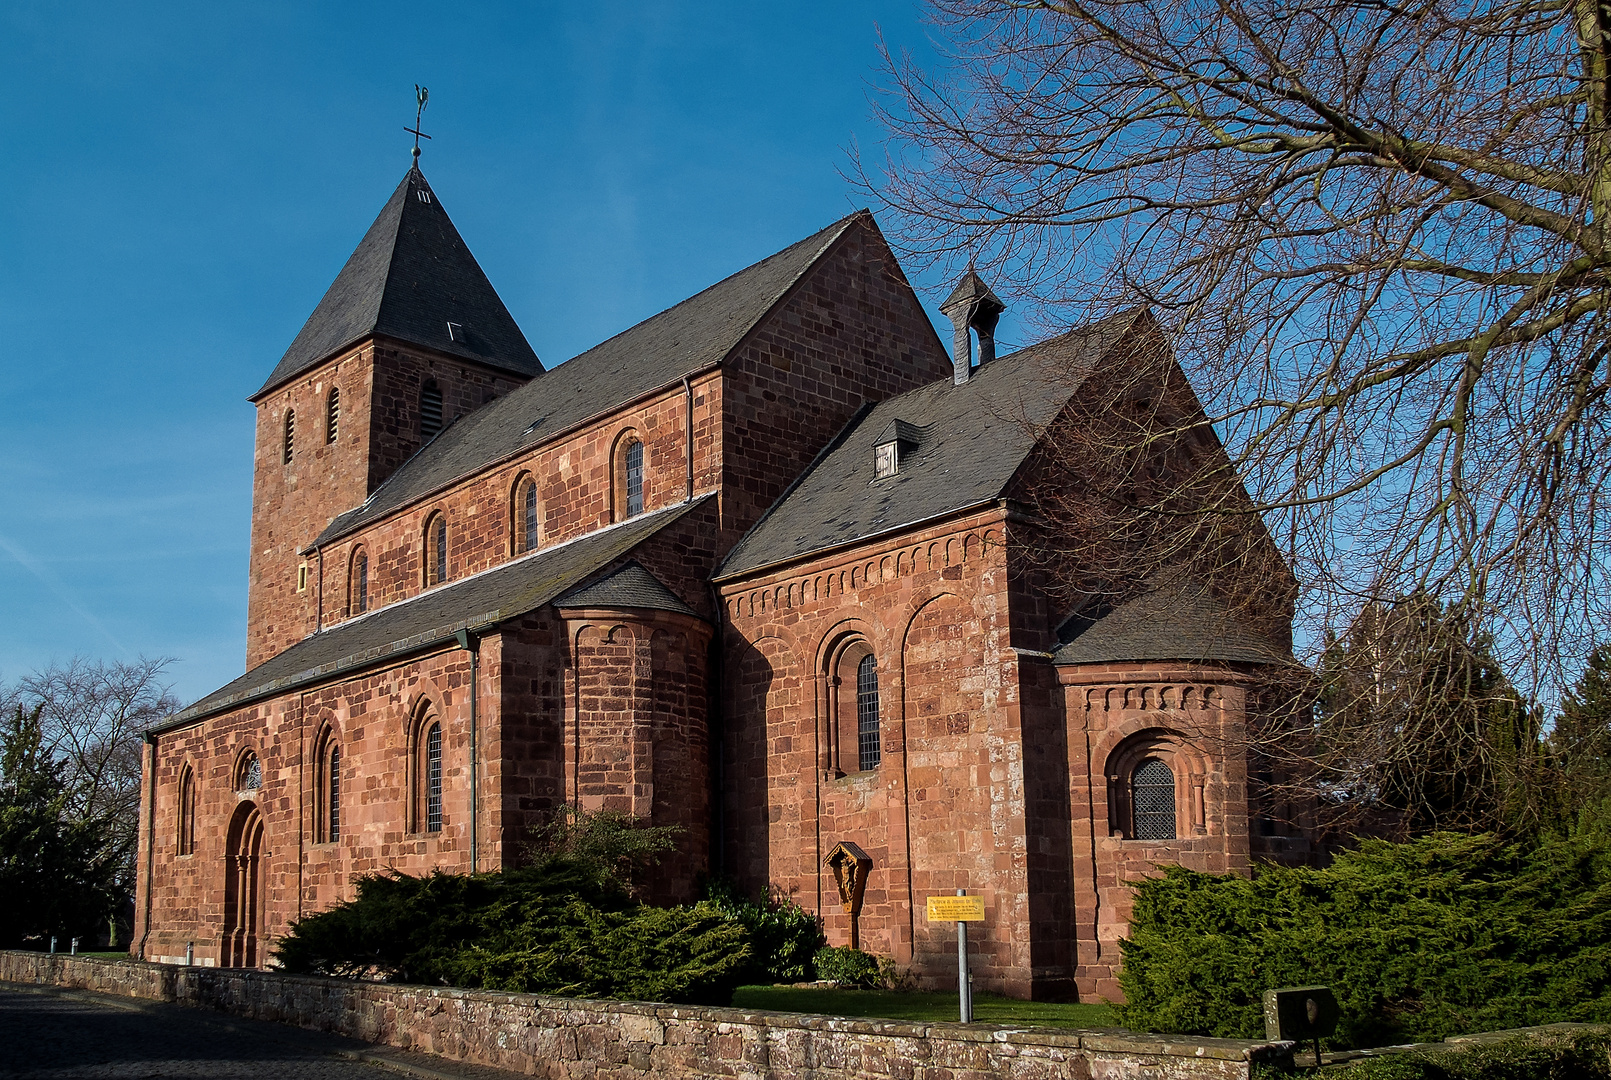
[250,775]
[1152,800]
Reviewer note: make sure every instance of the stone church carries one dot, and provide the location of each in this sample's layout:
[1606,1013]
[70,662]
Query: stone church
[758,566]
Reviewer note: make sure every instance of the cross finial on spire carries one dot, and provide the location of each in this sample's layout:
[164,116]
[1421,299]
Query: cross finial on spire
[422,95]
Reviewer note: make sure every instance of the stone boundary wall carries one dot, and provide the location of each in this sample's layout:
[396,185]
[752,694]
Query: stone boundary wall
[573,1039]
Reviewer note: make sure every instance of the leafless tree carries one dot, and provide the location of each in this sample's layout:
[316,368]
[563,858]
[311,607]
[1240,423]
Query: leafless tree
[1371,231]
[93,714]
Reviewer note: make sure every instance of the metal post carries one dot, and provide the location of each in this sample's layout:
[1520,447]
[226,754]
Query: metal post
[73,947]
[190,954]
[964,980]
[53,943]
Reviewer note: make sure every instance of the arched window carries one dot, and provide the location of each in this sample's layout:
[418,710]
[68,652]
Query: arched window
[430,410]
[332,809]
[425,768]
[632,464]
[869,750]
[290,434]
[436,550]
[433,778]
[248,772]
[523,516]
[332,415]
[187,811]
[358,583]
[1152,800]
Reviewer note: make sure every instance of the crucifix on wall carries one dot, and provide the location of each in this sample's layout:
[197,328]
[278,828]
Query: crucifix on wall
[850,866]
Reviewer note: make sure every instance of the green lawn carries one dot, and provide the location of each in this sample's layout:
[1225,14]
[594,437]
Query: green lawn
[913,1005]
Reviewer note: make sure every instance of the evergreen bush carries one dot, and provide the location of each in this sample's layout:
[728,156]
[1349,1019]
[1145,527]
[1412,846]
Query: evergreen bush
[1439,936]
[553,929]
[1520,1058]
[847,966]
[784,937]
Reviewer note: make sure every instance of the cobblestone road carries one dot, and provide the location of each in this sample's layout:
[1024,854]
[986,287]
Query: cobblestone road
[63,1035]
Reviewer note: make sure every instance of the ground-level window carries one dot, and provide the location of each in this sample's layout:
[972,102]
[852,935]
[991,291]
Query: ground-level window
[1152,800]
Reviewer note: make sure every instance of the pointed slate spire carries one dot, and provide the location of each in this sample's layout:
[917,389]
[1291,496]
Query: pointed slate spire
[413,279]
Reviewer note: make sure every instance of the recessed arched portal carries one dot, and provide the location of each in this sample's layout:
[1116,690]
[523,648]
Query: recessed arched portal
[243,893]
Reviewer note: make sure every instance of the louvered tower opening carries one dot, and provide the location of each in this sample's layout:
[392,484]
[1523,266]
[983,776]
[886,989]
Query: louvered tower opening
[430,411]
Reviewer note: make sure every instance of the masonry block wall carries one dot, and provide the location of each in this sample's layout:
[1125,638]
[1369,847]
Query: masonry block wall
[852,331]
[292,501]
[376,719]
[945,807]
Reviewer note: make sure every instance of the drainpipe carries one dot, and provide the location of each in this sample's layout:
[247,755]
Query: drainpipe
[150,831]
[715,688]
[472,645]
[318,620]
[688,396]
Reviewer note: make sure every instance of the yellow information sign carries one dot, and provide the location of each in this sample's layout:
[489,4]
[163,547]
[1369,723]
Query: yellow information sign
[956,909]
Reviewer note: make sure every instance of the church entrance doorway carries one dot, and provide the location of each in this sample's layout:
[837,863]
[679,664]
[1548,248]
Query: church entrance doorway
[243,900]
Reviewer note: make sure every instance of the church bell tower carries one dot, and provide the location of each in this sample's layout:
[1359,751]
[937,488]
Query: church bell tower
[409,337]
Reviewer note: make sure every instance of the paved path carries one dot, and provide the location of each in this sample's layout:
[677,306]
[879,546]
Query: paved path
[63,1035]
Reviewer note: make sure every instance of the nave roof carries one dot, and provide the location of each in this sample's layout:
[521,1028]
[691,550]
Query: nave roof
[693,335]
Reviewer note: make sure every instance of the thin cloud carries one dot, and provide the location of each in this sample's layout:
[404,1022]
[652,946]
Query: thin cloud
[50,581]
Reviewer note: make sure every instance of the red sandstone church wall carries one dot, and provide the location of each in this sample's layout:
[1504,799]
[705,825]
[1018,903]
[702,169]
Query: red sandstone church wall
[852,331]
[575,478]
[1193,718]
[292,503]
[372,718]
[946,808]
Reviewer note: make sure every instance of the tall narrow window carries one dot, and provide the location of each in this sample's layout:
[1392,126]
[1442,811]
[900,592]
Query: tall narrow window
[332,419]
[360,582]
[869,751]
[1152,800]
[433,779]
[634,479]
[333,807]
[528,514]
[430,410]
[187,812]
[436,551]
[290,434]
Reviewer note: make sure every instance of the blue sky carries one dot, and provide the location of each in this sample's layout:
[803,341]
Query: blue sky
[184,181]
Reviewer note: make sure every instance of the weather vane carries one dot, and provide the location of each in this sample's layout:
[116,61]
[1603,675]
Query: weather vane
[422,95]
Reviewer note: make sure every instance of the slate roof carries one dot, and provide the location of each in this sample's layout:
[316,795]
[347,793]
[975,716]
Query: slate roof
[475,603]
[409,277]
[1172,622]
[694,334]
[629,587]
[971,439]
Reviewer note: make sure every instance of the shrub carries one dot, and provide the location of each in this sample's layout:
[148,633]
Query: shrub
[1521,1058]
[784,937]
[617,848]
[1439,936]
[847,966]
[556,929]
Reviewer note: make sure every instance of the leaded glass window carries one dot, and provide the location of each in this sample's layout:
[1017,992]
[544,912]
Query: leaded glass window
[529,512]
[869,752]
[1152,800]
[433,779]
[334,817]
[360,602]
[634,479]
[251,772]
[439,568]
